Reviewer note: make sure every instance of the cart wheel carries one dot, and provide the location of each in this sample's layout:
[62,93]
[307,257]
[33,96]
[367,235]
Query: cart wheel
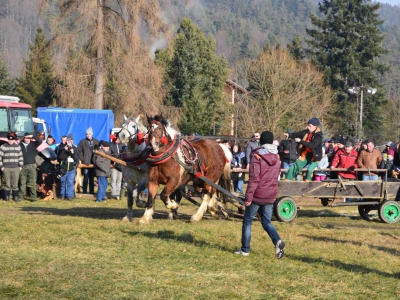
[368,212]
[285,209]
[389,212]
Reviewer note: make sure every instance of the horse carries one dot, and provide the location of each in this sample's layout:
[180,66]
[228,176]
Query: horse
[133,133]
[168,156]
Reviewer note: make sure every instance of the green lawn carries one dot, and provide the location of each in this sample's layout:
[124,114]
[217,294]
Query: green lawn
[82,250]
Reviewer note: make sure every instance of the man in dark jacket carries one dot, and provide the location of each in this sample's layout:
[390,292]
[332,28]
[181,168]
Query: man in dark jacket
[85,154]
[261,192]
[67,156]
[28,175]
[310,149]
[288,153]
[251,145]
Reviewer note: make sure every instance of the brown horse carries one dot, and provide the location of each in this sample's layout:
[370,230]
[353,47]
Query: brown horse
[169,153]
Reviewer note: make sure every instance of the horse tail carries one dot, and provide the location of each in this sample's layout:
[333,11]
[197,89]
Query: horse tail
[225,179]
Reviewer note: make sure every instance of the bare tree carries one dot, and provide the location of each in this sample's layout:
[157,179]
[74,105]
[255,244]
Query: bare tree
[282,93]
[103,55]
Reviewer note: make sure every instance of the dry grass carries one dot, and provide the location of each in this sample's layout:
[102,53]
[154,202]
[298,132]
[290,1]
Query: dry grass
[82,250]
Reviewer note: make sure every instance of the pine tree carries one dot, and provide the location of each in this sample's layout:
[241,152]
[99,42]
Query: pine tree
[344,45]
[197,77]
[36,84]
[296,50]
[6,82]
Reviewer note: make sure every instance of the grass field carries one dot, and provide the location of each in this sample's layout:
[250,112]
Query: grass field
[82,250]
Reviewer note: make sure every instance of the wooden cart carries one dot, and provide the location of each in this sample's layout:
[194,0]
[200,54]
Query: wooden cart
[373,198]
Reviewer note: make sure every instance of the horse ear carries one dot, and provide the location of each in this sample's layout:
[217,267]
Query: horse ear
[137,119]
[149,119]
[125,117]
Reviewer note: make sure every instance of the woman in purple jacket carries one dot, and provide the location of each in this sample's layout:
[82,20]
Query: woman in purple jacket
[265,167]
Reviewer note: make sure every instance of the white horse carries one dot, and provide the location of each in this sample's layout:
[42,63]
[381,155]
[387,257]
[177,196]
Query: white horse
[133,133]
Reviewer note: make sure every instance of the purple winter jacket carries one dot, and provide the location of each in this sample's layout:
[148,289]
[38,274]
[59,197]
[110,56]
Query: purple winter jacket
[265,167]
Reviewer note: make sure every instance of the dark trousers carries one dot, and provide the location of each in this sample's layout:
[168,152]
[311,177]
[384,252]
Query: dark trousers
[88,177]
[27,178]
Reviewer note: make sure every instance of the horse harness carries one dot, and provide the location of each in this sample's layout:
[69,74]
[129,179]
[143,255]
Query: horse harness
[190,154]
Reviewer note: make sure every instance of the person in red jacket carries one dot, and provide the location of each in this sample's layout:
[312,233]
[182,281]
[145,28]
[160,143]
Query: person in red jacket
[346,158]
[264,170]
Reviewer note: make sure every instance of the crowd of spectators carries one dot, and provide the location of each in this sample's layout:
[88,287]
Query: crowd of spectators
[25,170]
[298,151]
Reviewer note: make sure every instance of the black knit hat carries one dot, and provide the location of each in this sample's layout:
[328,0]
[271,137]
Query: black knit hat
[267,137]
[314,121]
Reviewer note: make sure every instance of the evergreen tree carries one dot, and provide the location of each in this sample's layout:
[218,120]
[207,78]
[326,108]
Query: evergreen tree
[6,82]
[344,45]
[197,77]
[36,84]
[296,50]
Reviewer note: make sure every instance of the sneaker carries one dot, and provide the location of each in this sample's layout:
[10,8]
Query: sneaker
[240,252]
[279,249]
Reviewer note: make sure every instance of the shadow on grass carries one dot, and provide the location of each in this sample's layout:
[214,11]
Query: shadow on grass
[186,238]
[91,212]
[326,213]
[341,265]
[326,239]
[101,213]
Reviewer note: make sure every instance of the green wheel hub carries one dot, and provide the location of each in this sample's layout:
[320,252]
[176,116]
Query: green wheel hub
[285,209]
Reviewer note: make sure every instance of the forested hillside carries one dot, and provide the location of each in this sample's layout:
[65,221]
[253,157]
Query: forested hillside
[133,31]
[241,28]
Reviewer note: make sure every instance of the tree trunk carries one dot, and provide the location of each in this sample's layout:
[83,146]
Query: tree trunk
[98,101]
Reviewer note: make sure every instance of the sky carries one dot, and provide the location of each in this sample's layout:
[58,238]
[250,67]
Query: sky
[393,2]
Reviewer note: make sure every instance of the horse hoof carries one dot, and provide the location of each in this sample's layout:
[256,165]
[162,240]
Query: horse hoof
[127,219]
[144,221]
[193,220]
[141,204]
[172,205]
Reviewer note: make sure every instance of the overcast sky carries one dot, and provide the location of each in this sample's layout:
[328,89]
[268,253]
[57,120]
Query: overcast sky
[393,2]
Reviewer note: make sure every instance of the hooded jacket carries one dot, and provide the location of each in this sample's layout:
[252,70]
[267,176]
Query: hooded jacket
[264,170]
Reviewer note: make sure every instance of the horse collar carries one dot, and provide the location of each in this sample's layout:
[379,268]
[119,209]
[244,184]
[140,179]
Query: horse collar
[166,155]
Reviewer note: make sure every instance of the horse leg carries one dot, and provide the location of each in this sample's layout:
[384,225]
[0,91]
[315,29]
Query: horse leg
[202,209]
[177,196]
[149,212]
[129,215]
[211,207]
[168,190]
[136,192]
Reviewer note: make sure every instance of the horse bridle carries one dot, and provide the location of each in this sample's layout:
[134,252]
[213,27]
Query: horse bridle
[132,135]
[164,134]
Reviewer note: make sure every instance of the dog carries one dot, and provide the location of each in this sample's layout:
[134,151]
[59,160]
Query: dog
[78,180]
[49,196]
